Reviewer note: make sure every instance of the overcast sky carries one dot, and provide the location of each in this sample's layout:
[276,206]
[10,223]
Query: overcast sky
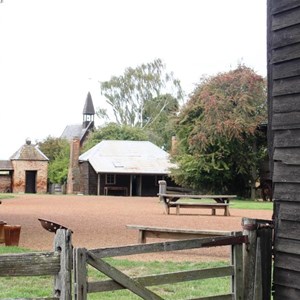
[52,53]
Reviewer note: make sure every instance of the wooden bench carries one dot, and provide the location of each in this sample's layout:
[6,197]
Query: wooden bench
[115,188]
[145,232]
[212,206]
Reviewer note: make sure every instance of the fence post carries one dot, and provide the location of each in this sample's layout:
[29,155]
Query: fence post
[257,259]
[162,188]
[265,234]
[63,281]
[237,284]
[249,228]
[80,274]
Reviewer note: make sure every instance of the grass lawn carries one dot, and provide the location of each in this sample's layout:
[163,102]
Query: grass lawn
[6,196]
[41,286]
[250,204]
[239,203]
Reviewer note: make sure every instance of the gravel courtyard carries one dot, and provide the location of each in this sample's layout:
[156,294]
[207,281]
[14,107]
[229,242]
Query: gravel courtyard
[100,221]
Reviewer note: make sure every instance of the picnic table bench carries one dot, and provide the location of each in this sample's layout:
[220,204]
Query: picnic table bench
[145,232]
[115,188]
[221,202]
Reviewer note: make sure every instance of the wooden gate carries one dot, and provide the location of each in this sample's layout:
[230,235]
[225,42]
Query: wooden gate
[138,285]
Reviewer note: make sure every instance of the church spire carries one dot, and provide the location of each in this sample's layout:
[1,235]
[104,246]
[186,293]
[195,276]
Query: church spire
[88,111]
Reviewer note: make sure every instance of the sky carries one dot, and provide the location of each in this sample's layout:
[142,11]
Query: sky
[52,53]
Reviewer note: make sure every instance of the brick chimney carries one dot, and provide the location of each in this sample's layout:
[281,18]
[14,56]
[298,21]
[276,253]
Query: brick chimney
[73,182]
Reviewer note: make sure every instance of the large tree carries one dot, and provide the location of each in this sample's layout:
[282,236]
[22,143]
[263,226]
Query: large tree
[130,95]
[219,144]
[113,131]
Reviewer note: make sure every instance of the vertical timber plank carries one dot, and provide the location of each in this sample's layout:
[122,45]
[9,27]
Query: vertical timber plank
[63,281]
[238,278]
[249,226]
[80,274]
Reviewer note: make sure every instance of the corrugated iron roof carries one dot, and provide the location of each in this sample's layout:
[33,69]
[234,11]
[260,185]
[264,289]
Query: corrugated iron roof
[29,152]
[6,165]
[135,157]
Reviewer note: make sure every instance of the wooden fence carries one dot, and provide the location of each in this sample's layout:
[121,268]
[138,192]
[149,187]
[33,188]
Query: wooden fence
[249,269]
[138,285]
[57,263]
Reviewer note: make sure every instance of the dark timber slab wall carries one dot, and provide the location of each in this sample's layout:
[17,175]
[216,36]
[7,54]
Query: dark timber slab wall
[284,134]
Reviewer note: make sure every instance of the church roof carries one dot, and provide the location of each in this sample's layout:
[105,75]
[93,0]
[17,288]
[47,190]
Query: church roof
[29,152]
[75,131]
[88,106]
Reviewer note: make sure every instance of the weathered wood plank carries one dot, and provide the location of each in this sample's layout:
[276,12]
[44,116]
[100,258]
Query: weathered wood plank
[121,278]
[180,230]
[288,156]
[287,246]
[286,36]
[280,6]
[145,232]
[167,246]
[287,278]
[238,278]
[287,261]
[286,173]
[286,69]
[288,229]
[289,211]
[158,279]
[287,192]
[286,86]
[284,54]
[30,264]
[286,19]
[289,120]
[287,293]
[286,103]
[80,274]
[287,138]
[63,280]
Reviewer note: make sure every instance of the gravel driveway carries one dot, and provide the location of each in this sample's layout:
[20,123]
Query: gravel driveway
[100,221]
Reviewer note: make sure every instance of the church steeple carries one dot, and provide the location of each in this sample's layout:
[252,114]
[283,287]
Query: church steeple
[88,112]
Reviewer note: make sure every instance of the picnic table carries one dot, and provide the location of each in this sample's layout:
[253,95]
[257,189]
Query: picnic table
[221,202]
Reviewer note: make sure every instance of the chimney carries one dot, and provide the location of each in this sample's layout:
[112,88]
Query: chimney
[73,182]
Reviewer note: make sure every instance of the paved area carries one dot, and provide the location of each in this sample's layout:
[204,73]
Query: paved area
[100,221]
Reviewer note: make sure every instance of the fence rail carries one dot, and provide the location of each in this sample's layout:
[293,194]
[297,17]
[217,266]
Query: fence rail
[138,285]
[57,263]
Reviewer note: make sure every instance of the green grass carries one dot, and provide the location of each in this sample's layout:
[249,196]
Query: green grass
[250,204]
[41,286]
[6,196]
[239,203]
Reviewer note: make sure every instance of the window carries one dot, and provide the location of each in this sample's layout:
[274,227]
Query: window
[110,178]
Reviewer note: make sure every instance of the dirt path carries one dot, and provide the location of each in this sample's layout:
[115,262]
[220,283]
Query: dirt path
[99,221]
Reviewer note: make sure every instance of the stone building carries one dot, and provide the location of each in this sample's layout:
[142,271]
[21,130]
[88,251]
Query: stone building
[25,172]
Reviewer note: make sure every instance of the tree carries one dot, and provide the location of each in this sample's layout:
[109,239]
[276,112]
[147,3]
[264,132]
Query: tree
[129,95]
[219,146]
[113,131]
[58,152]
